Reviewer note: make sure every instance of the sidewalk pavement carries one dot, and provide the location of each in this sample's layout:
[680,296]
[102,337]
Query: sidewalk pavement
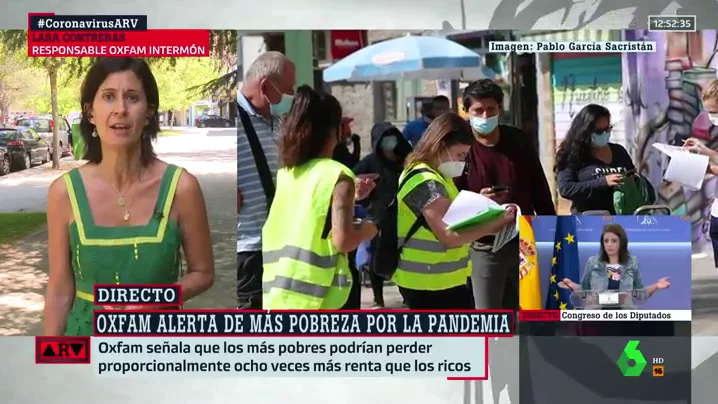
[24,264]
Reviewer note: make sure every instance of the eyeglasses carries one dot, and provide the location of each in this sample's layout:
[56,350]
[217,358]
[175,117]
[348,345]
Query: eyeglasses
[608,128]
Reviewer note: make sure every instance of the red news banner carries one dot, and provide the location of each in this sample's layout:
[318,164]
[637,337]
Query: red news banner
[150,43]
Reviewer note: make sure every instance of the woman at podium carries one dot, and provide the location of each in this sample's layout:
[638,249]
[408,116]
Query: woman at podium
[614,269]
[612,281]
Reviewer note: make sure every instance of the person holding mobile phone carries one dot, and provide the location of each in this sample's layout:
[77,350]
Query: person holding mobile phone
[503,164]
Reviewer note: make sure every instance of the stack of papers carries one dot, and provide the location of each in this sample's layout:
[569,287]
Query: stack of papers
[685,168]
[470,209]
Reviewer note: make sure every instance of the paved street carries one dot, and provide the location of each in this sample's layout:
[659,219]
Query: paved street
[210,154]
[23,265]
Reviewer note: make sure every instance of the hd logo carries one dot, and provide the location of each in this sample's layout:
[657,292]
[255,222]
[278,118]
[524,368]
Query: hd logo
[631,353]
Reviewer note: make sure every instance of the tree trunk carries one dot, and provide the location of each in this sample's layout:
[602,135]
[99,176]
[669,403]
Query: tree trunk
[56,150]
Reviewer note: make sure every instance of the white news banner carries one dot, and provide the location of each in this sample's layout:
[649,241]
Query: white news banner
[626,315]
[461,357]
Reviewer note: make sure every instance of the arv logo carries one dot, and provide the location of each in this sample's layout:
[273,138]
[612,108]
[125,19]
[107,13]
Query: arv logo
[631,362]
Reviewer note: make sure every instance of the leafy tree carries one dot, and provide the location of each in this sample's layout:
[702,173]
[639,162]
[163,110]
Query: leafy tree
[16,40]
[222,49]
[68,95]
[176,78]
[15,79]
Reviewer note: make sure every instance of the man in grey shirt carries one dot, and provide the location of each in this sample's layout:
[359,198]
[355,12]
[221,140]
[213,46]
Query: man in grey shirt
[266,94]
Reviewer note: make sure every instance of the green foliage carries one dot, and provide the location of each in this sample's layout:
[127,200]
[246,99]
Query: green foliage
[174,81]
[181,80]
[68,94]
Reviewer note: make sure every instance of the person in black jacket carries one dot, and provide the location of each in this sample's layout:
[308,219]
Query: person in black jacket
[390,149]
[349,158]
[589,166]
[341,152]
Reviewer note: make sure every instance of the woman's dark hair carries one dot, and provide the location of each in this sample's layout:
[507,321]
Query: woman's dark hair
[618,230]
[313,119]
[93,80]
[445,131]
[575,149]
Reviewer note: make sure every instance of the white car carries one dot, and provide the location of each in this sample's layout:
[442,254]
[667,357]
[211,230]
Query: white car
[43,125]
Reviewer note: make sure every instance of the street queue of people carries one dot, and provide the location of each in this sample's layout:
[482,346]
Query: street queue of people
[306,203]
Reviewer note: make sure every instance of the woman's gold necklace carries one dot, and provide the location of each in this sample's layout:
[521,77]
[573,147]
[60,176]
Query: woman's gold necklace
[121,202]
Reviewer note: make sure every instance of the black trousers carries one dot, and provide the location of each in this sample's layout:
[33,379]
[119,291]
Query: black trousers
[249,280]
[354,301]
[456,298]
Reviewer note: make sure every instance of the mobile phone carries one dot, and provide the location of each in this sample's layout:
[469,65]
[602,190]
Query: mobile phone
[499,188]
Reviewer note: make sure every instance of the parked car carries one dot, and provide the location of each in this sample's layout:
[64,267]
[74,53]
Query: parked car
[24,147]
[212,121]
[44,125]
[5,161]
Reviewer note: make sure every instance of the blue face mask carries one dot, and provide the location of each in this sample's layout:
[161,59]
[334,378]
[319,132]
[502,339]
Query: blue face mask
[484,126]
[389,143]
[283,106]
[600,139]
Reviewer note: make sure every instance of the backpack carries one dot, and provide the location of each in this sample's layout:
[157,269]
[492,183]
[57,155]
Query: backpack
[634,192]
[386,256]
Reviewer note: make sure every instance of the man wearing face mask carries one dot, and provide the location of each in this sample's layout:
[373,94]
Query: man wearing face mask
[503,165]
[266,95]
[414,130]
[386,160]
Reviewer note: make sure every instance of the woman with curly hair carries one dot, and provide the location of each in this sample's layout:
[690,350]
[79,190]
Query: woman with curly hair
[588,165]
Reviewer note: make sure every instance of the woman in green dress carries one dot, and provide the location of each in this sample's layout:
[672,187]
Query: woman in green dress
[123,217]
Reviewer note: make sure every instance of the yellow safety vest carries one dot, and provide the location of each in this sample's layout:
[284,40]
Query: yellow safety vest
[424,263]
[302,269]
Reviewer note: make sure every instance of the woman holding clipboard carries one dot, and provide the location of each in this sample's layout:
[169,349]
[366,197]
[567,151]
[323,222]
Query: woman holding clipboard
[434,261]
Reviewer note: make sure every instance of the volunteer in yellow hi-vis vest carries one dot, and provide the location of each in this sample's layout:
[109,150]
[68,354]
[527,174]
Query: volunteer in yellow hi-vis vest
[434,262]
[305,248]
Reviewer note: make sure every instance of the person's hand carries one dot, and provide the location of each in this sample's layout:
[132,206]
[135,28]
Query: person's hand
[663,283]
[509,217]
[694,145]
[568,284]
[506,219]
[613,180]
[496,196]
[368,229]
[363,185]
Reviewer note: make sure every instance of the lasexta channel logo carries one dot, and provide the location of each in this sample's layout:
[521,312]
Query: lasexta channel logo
[631,362]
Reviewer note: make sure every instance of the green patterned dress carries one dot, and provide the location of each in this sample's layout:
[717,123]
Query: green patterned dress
[148,254]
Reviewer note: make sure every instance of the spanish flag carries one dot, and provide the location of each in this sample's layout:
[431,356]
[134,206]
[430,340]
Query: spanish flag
[529,277]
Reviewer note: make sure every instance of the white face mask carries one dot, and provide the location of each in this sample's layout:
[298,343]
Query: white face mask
[452,168]
[713,118]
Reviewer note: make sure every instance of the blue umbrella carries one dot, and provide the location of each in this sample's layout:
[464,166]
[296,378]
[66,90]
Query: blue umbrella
[409,58]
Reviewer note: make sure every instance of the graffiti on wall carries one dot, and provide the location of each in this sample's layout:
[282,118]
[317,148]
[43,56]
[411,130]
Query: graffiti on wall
[579,81]
[662,99]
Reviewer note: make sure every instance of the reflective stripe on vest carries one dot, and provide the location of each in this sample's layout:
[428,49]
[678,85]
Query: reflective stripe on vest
[306,288]
[302,270]
[300,254]
[425,263]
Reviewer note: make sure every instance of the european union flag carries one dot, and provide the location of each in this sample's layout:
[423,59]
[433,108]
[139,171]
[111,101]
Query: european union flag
[564,264]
